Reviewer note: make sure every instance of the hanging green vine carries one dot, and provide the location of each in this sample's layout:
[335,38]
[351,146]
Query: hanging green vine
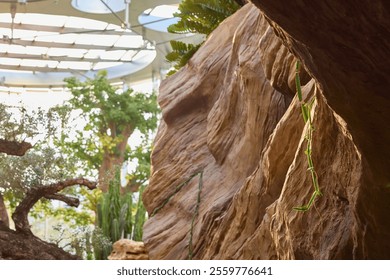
[306,114]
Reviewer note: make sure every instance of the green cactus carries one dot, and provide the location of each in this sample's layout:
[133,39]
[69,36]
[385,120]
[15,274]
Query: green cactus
[125,217]
[88,246]
[140,217]
[115,232]
[115,217]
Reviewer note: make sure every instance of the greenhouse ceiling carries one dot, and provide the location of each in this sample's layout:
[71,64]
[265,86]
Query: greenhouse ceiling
[43,42]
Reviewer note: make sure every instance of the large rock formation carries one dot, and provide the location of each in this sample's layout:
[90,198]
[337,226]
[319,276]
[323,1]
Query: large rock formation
[232,130]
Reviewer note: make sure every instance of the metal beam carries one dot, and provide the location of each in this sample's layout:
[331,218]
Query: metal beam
[58,58]
[34,69]
[65,30]
[67,46]
[39,69]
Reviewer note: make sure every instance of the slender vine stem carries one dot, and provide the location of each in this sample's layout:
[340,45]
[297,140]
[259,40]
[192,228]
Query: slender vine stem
[306,114]
[190,246]
[196,211]
[177,189]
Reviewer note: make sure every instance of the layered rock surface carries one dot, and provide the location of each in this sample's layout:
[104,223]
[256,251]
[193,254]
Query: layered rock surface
[231,116]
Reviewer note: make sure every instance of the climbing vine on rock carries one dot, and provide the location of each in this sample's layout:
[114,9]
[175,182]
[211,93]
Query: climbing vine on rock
[306,114]
[196,211]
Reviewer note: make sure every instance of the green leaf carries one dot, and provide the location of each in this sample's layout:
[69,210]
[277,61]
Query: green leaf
[196,16]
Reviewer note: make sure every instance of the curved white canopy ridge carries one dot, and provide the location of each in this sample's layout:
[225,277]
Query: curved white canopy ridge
[42,50]
[159,17]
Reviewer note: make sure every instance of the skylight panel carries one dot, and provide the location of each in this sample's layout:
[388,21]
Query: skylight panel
[60,52]
[114,55]
[74,22]
[129,55]
[40,19]
[129,42]
[21,34]
[62,38]
[4,48]
[78,65]
[97,40]
[18,49]
[38,34]
[33,63]
[6,18]
[104,65]
[5,32]
[10,61]
[36,50]
[52,63]
[94,54]
[140,54]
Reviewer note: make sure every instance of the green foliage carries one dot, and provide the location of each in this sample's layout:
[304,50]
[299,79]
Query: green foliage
[196,16]
[105,105]
[140,217]
[306,114]
[19,124]
[116,218]
[110,116]
[141,156]
[41,165]
[78,240]
[181,53]
[202,16]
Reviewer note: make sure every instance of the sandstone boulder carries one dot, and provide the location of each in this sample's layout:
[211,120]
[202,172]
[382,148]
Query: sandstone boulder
[126,249]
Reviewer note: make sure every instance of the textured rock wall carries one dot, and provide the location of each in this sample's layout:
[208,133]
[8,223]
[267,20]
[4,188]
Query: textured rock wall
[231,114]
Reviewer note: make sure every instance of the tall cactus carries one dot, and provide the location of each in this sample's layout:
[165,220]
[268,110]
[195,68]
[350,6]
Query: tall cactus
[140,216]
[115,217]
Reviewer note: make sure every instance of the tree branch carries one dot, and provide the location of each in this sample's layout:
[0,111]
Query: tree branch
[14,148]
[20,216]
[71,201]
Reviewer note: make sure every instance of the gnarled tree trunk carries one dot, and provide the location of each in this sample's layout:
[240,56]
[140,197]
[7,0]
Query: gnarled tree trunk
[21,243]
[3,212]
